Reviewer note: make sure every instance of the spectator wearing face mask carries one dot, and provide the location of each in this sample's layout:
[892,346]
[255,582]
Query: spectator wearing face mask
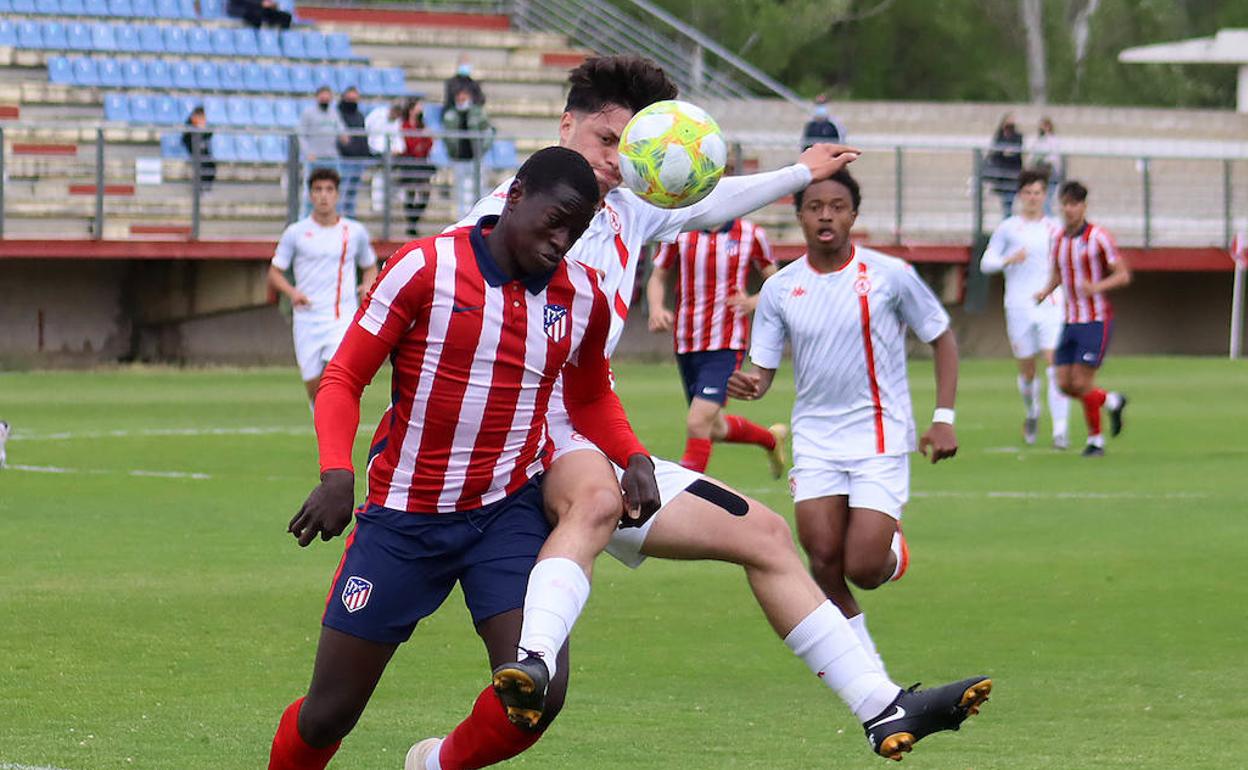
[354,152]
[459,81]
[470,135]
[821,127]
[321,134]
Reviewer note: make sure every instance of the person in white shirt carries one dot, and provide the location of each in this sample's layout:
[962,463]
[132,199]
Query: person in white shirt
[384,124]
[845,310]
[1021,249]
[324,249]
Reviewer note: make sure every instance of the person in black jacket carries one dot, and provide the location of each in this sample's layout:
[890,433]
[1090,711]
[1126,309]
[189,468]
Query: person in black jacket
[258,12]
[1005,162]
[354,153]
[198,144]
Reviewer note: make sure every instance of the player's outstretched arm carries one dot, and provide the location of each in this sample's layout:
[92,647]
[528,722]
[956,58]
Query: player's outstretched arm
[940,438]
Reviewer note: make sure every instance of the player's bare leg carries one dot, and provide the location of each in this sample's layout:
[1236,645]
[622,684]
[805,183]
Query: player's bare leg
[706,423]
[344,676]
[312,386]
[821,528]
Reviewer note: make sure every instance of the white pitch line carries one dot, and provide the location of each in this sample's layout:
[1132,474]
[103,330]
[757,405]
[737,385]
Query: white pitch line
[1027,495]
[141,473]
[305,430]
[11,766]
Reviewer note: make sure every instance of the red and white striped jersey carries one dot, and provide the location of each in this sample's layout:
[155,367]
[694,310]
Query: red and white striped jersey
[713,266]
[1080,259]
[475,356]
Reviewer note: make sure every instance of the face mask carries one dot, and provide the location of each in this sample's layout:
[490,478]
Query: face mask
[821,111]
[323,106]
[464,70]
[464,105]
[350,106]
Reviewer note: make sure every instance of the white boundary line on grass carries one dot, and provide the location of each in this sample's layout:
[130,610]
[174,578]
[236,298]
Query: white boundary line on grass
[304,430]
[11,766]
[98,472]
[1028,495]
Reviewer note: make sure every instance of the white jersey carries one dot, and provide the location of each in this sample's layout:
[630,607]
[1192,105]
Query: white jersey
[1025,279]
[325,259]
[848,332]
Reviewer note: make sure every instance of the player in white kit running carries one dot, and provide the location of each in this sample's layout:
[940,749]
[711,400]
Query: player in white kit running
[1021,249]
[325,250]
[699,518]
[845,310]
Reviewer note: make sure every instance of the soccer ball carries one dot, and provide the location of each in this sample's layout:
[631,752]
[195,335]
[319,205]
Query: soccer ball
[672,154]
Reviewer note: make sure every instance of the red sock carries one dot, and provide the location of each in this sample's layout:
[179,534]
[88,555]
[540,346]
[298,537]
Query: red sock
[697,454]
[1093,400]
[290,752]
[486,737]
[742,431]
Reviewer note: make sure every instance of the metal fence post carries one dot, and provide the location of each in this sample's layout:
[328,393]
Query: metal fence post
[477,145]
[898,179]
[1228,195]
[99,184]
[385,191]
[293,190]
[2,172]
[197,145]
[1148,203]
[976,285]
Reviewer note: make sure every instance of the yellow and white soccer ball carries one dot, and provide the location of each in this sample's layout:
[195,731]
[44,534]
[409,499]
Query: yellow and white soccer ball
[672,154]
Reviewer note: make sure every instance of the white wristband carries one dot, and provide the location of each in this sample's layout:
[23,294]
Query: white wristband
[943,415]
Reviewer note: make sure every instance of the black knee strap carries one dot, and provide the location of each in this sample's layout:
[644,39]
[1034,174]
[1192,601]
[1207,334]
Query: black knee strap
[716,495]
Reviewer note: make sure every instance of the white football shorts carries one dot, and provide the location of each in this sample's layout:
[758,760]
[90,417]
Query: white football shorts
[315,343]
[1033,329]
[880,483]
[673,479]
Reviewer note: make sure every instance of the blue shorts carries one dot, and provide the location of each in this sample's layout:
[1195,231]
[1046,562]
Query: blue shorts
[399,567]
[1084,343]
[706,374]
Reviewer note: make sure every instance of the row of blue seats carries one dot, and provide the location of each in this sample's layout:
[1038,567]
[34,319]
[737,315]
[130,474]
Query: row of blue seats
[183,75]
[160,9]
[158,39]
[237,111]
[273,148]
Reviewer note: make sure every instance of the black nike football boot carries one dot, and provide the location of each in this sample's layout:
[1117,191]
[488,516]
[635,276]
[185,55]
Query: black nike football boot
[916,714]
[522,689]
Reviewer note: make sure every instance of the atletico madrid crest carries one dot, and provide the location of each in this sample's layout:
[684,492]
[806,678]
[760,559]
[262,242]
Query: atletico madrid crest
[555,322]
[355,593]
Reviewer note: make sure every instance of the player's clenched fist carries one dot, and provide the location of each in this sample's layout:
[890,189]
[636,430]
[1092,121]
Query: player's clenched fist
[745,385]
[641,491]
[327,511]
[941,440]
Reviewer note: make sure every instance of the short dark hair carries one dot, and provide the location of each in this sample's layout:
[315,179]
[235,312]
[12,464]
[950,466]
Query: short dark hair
[631,82]
[551,166]
[844,177]
[324,172]
[1074,191]
[349,89]
[324,87]
[1031,176]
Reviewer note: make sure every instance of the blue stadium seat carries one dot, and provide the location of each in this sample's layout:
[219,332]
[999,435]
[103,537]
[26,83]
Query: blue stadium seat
[60,70]
[301,79]
[211,9]
[223,147]
[133,73]
[239,111]
[315,46]
[348,76]
[286,5]
[73,8]
[324,75]
[142,110]
[165,110]
[371,83]
[269,41]
[151,39]
[56,37]
[159,74]
[186,103]
[207,77]
[262,113]
[171,146]
[339,46]
[85,71]
[93,7]
[218,113]
[109,71]
[245,42]
[166,9]
[292,44]
[502,154]
[143,9]
[438,155]
[395,81]
[6,6]
[183,75]
[433,116]
[29,34]
[103,37]
[223,41]
[246,148]
[24,6]
[199,41]
[255,77]
[286,111]
[231,74]
[273,148]
[116,107]
[175,40]
[128,38]
[186,8]
[8,33]
[279,78]
[120,8]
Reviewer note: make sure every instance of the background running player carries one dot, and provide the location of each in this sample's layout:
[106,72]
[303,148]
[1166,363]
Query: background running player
[711,331]
[325,249]
[1020,248]
[845,310]
[1086,265]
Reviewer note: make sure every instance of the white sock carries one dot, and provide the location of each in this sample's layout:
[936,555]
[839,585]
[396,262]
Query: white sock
[895,547]
[558,590]
[859,624]
[1113,400]
[1027,389]
[1097,440]
[1059,405]
[827,644]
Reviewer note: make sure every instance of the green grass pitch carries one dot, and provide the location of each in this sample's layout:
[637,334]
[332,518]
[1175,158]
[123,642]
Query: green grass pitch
[164,621]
